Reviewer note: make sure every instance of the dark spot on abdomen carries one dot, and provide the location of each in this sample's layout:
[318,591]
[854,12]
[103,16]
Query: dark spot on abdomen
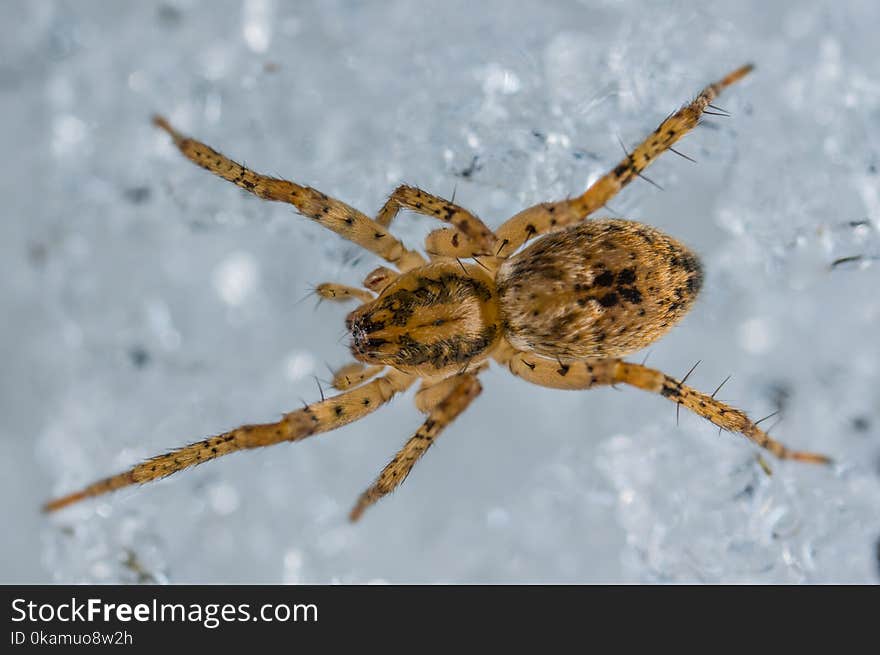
[627,276]
[604,279]
[631,294]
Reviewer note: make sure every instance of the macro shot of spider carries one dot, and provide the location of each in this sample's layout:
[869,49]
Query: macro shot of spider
[561,312]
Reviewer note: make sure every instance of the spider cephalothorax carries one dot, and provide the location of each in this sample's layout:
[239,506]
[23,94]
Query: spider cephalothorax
[431,321]
[560,313]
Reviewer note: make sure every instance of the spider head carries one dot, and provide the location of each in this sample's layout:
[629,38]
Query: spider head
[430,321]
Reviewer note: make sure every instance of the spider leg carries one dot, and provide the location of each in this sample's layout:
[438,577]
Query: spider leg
[433,392]
[353,375]
[702,404]
[550,216]
[333,214]
[465,389]
[318,417]
[478,238]
[585,374]
[448,242]
[341,292]
[379,278]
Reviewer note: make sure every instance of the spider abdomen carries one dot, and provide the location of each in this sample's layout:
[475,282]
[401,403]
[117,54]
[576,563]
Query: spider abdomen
[604,288]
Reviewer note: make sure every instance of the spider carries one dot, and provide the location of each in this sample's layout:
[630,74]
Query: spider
[560,313]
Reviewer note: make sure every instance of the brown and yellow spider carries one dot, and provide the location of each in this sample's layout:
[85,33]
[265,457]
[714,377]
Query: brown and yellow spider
[560,313]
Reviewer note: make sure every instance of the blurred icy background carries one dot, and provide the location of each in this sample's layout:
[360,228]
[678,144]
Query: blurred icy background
[146,303]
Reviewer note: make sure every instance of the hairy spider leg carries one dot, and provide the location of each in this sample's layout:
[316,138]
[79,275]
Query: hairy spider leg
[585,374]
[318,417]
[432,392]
[353,375]
[333,214]
[448,242]
[469,232]
[379,278]
[466,388]
[342,292]
[552,216]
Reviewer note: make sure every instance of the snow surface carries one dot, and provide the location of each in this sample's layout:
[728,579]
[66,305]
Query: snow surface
[147,303]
